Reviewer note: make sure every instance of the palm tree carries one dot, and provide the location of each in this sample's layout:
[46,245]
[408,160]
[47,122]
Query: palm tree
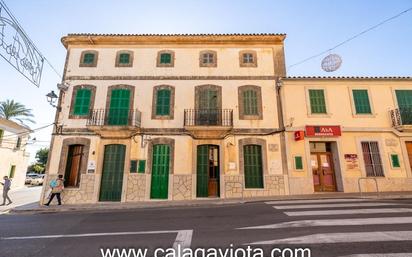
[11,110]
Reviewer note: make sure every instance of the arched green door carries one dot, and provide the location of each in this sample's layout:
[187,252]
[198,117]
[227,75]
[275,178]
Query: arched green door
[160,172]
[112,175]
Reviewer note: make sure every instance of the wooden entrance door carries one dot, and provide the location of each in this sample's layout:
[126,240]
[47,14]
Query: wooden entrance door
[323,172]
[409,150]
[119,107]
[208,172]
[160,172]
[74,160]
[112,175]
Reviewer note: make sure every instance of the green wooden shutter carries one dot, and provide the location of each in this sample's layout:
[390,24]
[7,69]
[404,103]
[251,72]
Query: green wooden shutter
[160,172]
[202,171]
[119,107]
[163,102]
[88,58]
[124,58]
[317,101]
[165,58]
[112,174]
[298,163]
[133,166]
[361,100]
[253,169]
[250,102]
[395,161]
[404,98]
[82,102]
[142,166]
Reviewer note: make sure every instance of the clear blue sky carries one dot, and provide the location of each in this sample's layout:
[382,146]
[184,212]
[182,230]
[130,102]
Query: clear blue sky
[311,27]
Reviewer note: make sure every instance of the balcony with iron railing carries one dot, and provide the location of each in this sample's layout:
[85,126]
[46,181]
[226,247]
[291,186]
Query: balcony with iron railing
[114,119]
[401,118]
[208,123]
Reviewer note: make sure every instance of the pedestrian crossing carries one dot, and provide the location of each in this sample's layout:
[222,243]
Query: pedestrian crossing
[344,221]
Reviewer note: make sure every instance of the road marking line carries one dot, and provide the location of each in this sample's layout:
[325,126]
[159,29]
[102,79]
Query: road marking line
[335,222]
[355,211]
[380,255]
[314,206]
[183,238]
[330,238]
[318,201]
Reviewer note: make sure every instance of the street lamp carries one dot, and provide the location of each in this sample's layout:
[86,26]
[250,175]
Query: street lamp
[52,98]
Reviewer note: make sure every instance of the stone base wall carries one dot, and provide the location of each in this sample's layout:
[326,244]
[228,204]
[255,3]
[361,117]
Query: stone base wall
[136,185]
[274,185]
[384,185]
[72,195]
[182,187]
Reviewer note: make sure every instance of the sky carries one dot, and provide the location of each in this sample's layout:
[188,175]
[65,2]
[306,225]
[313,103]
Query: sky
[311,27]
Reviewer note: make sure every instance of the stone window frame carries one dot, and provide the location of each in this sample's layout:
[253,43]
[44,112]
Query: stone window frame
[73,100]
[172,103]
[64,154]
[121,86]
[96,56]
[161,141]
[244,64]
[210,65]
[208,86]
[172,60]
[131,57]
[258,90]
[253,141]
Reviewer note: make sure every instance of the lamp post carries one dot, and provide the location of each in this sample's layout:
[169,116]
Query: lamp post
[52,98]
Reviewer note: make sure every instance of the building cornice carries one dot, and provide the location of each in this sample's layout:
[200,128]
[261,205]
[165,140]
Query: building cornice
[150,39]
[293,78]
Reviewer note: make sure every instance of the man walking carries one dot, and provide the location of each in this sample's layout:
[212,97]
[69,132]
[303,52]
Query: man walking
[57,187]
[6,189]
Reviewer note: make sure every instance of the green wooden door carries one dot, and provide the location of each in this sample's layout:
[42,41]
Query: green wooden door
[252,155]
[119,107]
[112,175]
[202,171]
[404,98]
[208,107]
[160,172]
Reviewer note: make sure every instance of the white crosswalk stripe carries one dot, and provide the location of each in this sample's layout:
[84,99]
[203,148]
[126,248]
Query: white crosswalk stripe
[335,213]
[341,205]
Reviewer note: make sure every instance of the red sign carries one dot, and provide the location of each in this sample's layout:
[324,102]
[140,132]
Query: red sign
[323,131]
[299,135]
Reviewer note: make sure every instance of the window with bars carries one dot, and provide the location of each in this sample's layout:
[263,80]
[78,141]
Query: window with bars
[372,159]
[163,102]
[250,102]
[361,101]
[82,102]
[253,169]
[317,101]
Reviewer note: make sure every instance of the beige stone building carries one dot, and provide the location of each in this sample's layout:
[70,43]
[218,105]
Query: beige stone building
[175,117]
[13,156]
[348,134]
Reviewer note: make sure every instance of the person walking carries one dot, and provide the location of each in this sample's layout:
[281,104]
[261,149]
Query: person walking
[6,189]
[57,187]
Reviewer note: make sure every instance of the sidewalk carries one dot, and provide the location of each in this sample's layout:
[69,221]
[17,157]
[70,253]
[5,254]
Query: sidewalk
[109,206]
[22,196]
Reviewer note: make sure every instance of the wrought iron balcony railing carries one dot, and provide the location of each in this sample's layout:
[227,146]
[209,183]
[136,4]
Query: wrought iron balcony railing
[208,117]
[114,117]
[401,117]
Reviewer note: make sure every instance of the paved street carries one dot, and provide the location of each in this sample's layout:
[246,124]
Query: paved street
[329,227]
[22,196]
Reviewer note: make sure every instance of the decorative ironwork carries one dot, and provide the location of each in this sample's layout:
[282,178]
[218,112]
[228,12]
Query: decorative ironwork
[401,117]
[332,62]
[114,117]
[208,117]
[17,48]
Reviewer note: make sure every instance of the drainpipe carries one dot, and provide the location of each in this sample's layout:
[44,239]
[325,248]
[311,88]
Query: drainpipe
[278,86]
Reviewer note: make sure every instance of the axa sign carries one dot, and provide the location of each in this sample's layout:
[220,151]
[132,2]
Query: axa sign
[323,131]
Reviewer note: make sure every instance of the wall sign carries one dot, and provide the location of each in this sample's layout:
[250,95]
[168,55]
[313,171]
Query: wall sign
[351,161]
[323,131]
[299,135]
[91,166]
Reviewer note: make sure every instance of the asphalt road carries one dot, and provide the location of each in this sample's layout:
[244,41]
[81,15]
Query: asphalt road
[338,227]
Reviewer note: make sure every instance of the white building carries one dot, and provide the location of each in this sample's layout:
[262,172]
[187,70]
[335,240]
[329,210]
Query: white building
[13,155]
